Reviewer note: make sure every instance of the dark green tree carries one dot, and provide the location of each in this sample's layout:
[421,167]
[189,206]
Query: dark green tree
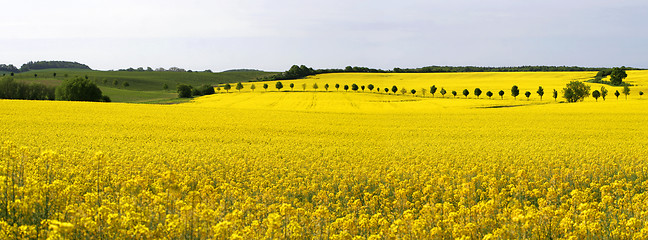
[413,91]
[78,89]
[239,86]
[540,92]
[337,87]
[501,94]
[252,87]
[36,75]
[54,75]
[346,87]
[617,76]
[227,87]
[354,87]
[626,91]
[596,94]
[125,84]
[362,87]
[454,93]
[326,87]
[164,86]
[315,86]
[640,94]
[115,82]
[443,92]
[292,85]
[265,87]
[433,90]
[478,92]
[527,94]
[465,93]
[279,86]
[555,95]
[394,89]
[489,94]
[617,94]
[387,90]
[515,91]
[184,91]
[370,87]
[207,89]
[576,91]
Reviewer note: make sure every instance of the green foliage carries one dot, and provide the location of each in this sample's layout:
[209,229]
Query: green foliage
[292,85]
[184,90]
[10,89]
[265,86]
[125,84]
[641,93]
[515,91]
[527,94]
[478,92]
[207,89]
[303,86]
[315,86]
[413,91]
[370,87]
[576,91]
[52,64]
[326,87]
[403,90]
[115,82]
[227,87]
[164,86]
[394,89]
[555,95]
[454,93]
[540,92]
[465,92]
[239,86]
[617,76]
[78,89]
[501,94]
[489,94]
[354,87]
[362,87]
[195,92]
[346,87]
[626,91]
[596,94]
[337,86]
[279,86]
[386,90]
[443,92]
[617,94]
[252,87]
[433,90]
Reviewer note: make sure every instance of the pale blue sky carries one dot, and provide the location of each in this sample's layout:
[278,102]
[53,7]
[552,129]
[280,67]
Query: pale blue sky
[275,34]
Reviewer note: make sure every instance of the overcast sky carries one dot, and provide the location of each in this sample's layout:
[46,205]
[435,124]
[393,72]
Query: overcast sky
[275,34]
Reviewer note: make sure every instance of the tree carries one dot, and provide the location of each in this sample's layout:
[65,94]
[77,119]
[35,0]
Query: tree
[303,86]
[292,85]
[540,92]
[617,76]
[433,90]
[454,93]
[478,92]
[164,86]
[125,84]
[576,91]
[54,75]
[626,91]
[640,94]
[115,82]
[239,86]
[265,87]
[207,89]
[617,94]
[370,87]
[465,93]
[443,92]
[346,87]
[78,89]
[315,86]
[596,94]
[227,87]
[527,94]
[354,87]
[326,87]
[555,95]
[252,87]
[387,90]
[501,94]
[489,94]
[413,91]
[337,86]
[195,92]
[403,90]
[515,91]
[184,91]
[362,87]
[36,75]
[279,86]
[394,89]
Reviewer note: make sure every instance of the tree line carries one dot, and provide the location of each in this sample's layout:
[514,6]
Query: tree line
[52,64]
[75,89]
[297,72]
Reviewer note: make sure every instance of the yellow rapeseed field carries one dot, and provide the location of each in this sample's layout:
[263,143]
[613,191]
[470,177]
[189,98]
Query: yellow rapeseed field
[328,165]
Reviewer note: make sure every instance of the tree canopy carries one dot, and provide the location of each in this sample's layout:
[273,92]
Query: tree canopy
[78,89]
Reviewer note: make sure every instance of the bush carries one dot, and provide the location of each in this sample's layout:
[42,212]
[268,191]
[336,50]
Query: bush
[184,91]
[9,89]
[576,91]
[207,89]
[78,89]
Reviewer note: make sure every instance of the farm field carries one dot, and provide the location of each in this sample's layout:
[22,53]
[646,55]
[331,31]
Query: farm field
[329,165]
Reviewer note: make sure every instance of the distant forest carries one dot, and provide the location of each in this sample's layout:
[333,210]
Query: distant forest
[42,65]
[296,72]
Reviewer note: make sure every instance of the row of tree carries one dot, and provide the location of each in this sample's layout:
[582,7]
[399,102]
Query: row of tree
[75,89]
[187,91]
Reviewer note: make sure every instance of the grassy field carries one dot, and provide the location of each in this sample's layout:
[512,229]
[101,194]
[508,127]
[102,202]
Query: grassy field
[143,86]
[327,165]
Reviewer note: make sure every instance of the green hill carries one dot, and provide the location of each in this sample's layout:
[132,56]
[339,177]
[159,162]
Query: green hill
[143,86]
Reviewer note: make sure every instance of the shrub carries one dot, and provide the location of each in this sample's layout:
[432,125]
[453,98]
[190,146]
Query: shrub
[184,91]
[78,89]
[576,91]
